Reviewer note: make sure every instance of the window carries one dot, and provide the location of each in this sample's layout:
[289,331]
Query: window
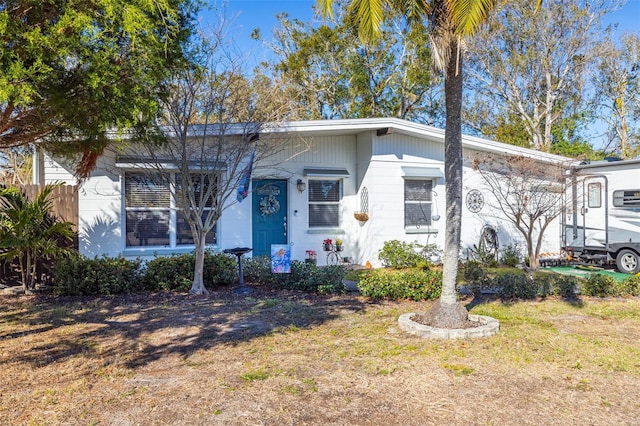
[628,198]
[152,218]
[324,203]
[595,194]
[418,197]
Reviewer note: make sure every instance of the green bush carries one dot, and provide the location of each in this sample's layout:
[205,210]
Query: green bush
[304,276]
[328,279]
[515,285]
[474,274]
[567,286]
[544,281]
[169,273]
[510,255]
[175,273]
[80,276]
[399,254]
[415,284]
[631,286]
[257,270]
[600,285]
[220,269]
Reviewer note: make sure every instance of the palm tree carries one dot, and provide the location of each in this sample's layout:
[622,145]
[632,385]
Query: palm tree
[28,232]
[450,21]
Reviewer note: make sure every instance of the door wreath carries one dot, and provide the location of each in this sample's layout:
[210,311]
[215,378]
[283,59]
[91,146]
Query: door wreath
[269,205]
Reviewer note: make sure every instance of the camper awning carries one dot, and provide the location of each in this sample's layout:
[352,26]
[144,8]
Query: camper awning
[321,172]
[424,172]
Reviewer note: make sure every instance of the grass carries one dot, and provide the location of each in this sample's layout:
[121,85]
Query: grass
[290,358]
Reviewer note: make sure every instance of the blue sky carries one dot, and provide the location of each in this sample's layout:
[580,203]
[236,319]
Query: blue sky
[261,14]
[250,14]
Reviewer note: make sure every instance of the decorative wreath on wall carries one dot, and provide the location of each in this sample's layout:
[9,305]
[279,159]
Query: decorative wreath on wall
[269,205]
[475,201]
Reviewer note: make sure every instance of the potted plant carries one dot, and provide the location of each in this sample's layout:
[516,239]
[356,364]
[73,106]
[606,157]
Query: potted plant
[327,244]
[339,246]
[312,257]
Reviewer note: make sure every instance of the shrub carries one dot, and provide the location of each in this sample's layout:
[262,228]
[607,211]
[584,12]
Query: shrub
[399,254]
[257,270]
[220,269]
[328,280]
[631,285]
[169,273]
[80,276]
[566,286]
[300,277]
[544,282]
[510,255]
[600,285]
[304,276]
[474,273]
[515,285]
[415,284]
[175,273]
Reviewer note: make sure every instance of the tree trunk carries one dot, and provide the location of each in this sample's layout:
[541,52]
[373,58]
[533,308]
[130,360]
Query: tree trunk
[24,268]
[198,274]
[448,312]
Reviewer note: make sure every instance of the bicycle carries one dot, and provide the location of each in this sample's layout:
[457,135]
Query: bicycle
[333,256]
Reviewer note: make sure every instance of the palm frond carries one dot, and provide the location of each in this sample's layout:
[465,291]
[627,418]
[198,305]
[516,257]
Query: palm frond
[369,16]
[325,8]
[468,15]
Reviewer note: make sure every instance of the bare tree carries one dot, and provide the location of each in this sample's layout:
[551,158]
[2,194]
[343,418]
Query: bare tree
[529,67]
[528,192]
[617,93]
[211,141]
[15,165]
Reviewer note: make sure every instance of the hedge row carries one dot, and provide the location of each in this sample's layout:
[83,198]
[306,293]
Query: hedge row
[81,276]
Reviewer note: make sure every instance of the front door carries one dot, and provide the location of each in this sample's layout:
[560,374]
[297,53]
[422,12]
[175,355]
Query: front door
[269,217]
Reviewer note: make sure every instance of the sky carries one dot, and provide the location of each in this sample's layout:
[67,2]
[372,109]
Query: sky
[250,14]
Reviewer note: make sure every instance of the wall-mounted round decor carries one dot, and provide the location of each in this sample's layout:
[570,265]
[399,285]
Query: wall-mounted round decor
[475,201]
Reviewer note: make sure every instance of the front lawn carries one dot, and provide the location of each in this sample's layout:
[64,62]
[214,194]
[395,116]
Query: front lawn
[290,358]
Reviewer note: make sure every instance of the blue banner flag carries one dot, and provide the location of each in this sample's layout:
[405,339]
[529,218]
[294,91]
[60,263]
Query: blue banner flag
[243,188]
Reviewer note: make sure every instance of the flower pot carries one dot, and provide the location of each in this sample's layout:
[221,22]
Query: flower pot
[312,261]
[327,247]
[339,248]
[361,216]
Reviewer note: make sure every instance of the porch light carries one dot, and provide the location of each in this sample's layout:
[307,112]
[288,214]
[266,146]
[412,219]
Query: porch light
[301,185]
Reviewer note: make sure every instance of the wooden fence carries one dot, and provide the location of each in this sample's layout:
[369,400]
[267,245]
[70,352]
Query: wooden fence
[64,198]
[65,207]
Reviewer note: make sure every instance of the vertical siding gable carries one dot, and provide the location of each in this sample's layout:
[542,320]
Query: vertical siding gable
[401,146]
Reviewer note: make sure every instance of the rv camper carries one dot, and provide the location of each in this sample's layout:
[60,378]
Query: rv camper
[601,219]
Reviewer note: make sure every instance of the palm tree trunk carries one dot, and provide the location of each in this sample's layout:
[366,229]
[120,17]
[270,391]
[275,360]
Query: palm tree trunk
[447,312]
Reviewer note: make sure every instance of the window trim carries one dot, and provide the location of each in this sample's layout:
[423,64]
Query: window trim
[592,202]
[429,227]
[173,211]
[338,203]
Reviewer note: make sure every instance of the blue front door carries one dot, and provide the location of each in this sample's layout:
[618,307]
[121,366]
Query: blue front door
[269,217]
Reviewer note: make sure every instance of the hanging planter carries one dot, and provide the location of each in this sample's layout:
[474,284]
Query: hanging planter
[361,216]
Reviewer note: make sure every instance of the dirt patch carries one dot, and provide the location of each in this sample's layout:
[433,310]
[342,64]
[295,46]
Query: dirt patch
[290,358]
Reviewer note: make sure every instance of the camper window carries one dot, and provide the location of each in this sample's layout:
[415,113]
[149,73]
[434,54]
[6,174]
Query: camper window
[629,198]
[595,195]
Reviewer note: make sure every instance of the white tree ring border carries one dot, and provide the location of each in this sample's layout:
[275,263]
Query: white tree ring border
[475,201]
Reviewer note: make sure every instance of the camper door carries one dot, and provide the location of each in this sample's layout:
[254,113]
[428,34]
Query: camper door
[592,215]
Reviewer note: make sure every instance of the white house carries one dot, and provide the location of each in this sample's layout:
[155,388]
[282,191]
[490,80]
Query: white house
[390,169]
